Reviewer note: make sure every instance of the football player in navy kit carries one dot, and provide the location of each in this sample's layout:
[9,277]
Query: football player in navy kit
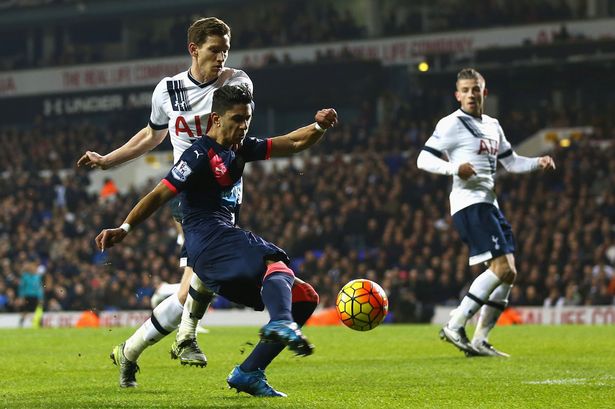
[233,262]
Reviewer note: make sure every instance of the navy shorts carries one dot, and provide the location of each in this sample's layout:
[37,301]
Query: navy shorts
[484,229]
[233,264]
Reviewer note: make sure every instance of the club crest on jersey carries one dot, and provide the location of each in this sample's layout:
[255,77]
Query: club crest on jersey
[181,171]
[495,240]
[488,146]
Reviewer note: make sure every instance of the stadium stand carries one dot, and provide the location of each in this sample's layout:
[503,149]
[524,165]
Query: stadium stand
[91,31]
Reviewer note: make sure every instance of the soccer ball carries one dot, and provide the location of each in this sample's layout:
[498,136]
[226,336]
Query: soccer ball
[362,305]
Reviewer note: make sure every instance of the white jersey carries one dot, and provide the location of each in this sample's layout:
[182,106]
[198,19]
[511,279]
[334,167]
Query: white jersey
[479,141]
[182,104]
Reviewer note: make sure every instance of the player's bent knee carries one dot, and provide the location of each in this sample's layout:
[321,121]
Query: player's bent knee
[510,277]
[304,292]
[504,268]
[507,274]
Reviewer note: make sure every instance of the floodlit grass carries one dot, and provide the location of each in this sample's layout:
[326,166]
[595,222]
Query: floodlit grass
[394,366]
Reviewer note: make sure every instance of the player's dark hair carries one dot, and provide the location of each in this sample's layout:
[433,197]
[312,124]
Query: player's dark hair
[228,96]
[470,74]
[204,27]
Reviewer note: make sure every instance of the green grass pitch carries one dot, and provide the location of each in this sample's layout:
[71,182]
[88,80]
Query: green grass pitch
[393,366]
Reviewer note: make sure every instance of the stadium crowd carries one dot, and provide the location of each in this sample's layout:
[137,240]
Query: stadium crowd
[271,24]
[360,212]
[390,124]
[402,18]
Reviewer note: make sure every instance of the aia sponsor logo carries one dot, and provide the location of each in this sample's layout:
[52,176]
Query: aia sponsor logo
[488,146]
[191,126]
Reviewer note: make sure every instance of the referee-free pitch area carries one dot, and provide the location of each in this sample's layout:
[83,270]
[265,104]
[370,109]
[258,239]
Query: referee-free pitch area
[393,366]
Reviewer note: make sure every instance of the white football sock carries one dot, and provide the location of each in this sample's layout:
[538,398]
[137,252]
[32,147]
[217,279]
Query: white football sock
[480,289]
[167,290]
[197,302]
[163,292]
[490,312]
[164,320]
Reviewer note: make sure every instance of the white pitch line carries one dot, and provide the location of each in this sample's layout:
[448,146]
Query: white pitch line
[572,381]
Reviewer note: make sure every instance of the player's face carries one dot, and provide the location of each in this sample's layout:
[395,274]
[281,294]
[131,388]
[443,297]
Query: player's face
[471,95]
[211,56]
[234,124]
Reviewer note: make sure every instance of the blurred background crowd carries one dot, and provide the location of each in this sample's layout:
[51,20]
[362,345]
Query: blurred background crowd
[272,23]
[357,206]
[371,214]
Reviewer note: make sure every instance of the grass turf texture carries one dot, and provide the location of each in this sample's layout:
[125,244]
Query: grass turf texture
[393,366]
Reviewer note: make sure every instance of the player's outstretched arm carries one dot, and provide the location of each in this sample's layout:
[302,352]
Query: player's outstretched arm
[514,163]
[142,142]
[302,138]
[142,210]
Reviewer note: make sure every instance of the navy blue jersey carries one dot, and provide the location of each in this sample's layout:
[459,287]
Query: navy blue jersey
[209,176]
[229,260]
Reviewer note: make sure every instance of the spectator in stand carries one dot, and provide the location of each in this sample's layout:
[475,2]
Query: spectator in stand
[30,290]
[7,298]
[108,192]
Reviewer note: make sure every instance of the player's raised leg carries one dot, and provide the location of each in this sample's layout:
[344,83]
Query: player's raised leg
[250,377]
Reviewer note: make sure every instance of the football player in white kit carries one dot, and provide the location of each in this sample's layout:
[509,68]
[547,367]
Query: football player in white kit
[180,107]
[473,143]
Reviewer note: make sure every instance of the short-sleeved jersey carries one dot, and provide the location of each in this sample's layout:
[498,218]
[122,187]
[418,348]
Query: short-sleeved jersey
[209,176]
[182,104]
[479,141]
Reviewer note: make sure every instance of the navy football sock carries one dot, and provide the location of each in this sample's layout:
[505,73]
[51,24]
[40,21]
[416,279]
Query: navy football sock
[263,353]
[277,296]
